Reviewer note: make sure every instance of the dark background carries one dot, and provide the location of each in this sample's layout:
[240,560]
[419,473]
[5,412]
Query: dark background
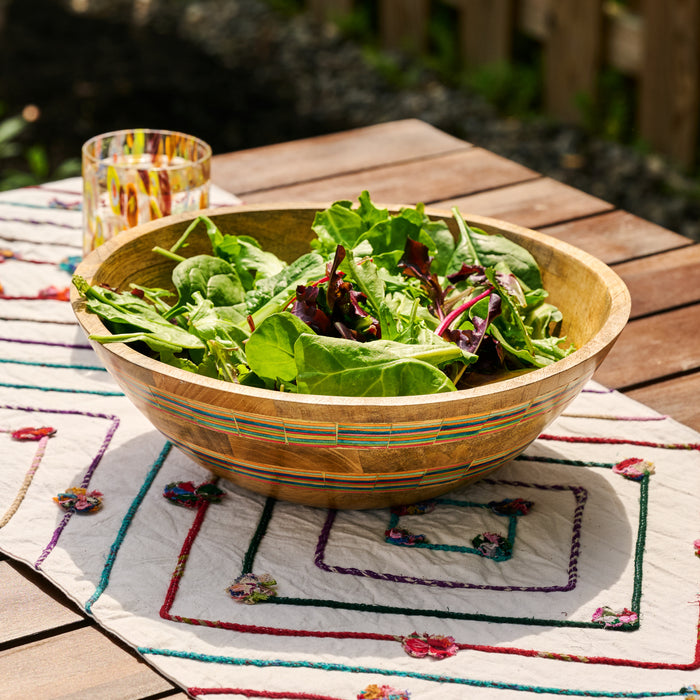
[242,73]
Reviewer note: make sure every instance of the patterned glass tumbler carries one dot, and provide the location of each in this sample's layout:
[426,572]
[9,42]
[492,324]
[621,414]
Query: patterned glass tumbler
[137,175]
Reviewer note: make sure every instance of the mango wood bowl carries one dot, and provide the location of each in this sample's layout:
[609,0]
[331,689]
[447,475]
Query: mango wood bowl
[344,452]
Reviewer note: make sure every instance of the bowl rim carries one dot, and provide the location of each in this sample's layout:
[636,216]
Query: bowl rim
[620,308]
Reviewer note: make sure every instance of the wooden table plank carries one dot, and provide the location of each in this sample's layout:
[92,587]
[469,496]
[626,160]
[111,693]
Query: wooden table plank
[533,204]
[423,180]
[26,608]
[653,348]
[284,164]
[82,663]
[663,281]
[617,236]
[674,397]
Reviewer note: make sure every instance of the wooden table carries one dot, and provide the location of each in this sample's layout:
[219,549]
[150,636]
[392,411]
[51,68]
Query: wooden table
[50,649]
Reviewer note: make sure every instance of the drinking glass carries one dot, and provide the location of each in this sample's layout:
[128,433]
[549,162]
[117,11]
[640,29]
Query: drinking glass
[133,176]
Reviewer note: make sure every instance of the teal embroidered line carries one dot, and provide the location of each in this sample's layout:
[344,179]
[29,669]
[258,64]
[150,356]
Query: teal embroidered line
[453,615]
[320,666]
[59,389]
[28,205]
[56,365]
[114,549]
[512,526]
[258,535]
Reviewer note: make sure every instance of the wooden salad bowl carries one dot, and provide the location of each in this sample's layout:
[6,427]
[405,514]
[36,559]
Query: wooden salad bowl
[346,452]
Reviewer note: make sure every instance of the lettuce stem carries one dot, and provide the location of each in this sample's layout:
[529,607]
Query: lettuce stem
[456,313]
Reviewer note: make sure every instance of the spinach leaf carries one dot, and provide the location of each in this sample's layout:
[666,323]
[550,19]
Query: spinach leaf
[337,225]
[307,268]
[270,348]
[335,366]
[211,277]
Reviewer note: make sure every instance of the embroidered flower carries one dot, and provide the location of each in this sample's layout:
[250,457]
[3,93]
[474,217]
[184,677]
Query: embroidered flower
[251,589]
[383,692]
[435,646]
[511,506]
[6,254]
[395,535]
[53,292]
[492,546]
[609,618]
[634,469]
[420,508]
[696,544]
[33,433]
[185,493]
[79,500]
[691,692]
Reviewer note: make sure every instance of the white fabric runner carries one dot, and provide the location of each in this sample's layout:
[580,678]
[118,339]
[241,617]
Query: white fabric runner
[156,574]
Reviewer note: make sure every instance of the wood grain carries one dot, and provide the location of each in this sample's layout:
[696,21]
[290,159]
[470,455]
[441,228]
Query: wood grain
[293,162]
[674,397]
[26,608]
[617,236]
[665,281]
[82,663]
[653,348]
[533,204]
[423,180]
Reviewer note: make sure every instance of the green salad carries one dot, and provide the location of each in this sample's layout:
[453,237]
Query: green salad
[381,305]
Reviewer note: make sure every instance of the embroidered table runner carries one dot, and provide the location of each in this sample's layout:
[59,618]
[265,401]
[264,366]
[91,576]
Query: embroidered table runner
[571,572]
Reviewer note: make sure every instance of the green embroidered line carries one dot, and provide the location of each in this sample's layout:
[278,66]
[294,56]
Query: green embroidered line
[435,678]
[121,534]
[59,389]
[570,462]
[258,535]
[639,549]
[56,365]
[641,531]
[452,615]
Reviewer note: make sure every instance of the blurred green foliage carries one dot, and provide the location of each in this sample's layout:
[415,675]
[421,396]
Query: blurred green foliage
[22,163]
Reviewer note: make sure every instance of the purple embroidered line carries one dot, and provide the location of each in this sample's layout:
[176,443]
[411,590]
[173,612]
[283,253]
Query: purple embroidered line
[73,346]
[604,390]
[37,222]
[88,474]
[16,239]
[580,494]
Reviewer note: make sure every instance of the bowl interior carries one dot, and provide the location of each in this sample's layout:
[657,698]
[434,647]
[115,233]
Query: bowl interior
[590,296]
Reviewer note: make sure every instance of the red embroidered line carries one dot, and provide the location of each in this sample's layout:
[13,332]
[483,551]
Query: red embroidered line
[607,660]
[248,693]
[255,629]
[621,441]
[235,626]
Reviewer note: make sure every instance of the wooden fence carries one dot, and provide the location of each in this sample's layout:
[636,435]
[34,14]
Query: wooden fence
[654,42]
